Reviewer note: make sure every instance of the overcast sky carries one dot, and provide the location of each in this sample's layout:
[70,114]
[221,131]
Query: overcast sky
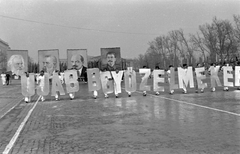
[93,24]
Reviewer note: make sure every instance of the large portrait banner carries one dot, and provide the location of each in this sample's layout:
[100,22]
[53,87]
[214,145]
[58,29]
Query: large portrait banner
[76,58]
[111,59]
[17,61]
[48,60]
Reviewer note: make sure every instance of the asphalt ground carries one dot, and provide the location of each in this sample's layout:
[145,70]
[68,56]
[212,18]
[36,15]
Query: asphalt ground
[193,123]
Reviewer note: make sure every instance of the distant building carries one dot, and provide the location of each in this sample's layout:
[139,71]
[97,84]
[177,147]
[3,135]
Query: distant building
[4,47]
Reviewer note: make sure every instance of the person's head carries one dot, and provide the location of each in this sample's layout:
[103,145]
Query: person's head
[57,72]
[42,72]
[77,61]
[16,63]
[199,65]
[170,66]
[49,63]
[213,64]
[111,58]
[27,74]
[184,66]
[157,67]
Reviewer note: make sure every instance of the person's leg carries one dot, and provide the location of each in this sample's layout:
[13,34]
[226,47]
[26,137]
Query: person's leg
[27,99]
[225,88]
[95,94]
[42,98]
[115,90]
[56,96]
[144,93]
[184,88]
[106,95]
[213,89]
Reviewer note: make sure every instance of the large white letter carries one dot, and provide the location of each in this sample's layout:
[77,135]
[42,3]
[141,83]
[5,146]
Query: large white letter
[200,77]
[214,76]
[94,82]
[117,77]
[130,81]
[185,76]
[157,79]
[71,82]
[237,75]
[28,85]
[107,82]
[57,85]
[143,84]
[227,75]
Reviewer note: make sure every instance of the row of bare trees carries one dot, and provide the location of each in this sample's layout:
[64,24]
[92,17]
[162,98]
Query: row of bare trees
[218,41]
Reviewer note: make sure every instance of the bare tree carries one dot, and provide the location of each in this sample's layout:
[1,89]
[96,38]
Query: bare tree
[186,46]
[172,45]
[157,52]
[199,46]
[218,38]
[237,27]
[237,30]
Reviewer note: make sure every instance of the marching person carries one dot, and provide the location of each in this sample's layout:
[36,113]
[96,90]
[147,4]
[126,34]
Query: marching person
[213,70]
[169,77]
[157,68]
[27,98]
[196,83]
[145,92]
[61,79]
[40,79]
[185,71]
[3,77]
[8,78]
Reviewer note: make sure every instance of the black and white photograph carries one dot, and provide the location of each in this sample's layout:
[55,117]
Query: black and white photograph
[120,76]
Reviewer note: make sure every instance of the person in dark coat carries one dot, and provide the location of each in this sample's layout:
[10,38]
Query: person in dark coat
[77,62]
[7,79]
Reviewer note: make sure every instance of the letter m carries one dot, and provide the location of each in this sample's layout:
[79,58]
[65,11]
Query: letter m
[185,76]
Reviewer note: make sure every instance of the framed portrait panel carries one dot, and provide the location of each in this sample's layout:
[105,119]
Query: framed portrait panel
[48,59]
[111,56]
[17,61]
[76,54]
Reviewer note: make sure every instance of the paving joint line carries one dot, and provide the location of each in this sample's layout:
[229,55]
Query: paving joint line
[20,128]
[184,102]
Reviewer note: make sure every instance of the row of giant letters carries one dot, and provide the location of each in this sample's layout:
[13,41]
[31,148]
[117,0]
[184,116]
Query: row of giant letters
[100,80]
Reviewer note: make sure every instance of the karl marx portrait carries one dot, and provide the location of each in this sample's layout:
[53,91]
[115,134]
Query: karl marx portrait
[16,64]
